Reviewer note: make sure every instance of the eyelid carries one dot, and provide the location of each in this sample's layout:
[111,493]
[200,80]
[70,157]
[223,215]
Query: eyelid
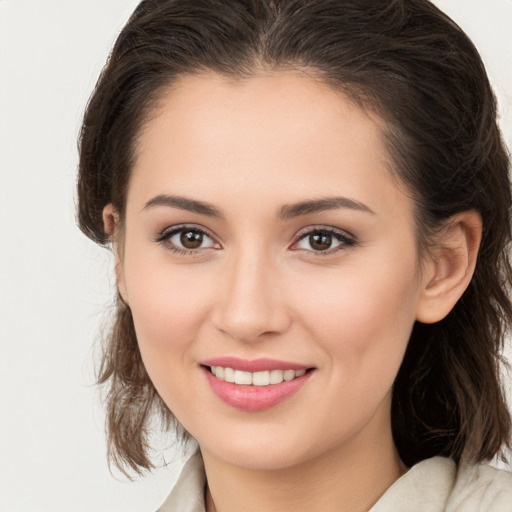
[347,239]
[164,236]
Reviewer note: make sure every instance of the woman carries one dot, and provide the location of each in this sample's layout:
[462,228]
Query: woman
[309,206]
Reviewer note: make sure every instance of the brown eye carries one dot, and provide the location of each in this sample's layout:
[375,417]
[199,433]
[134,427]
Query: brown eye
[325,241]
[320,241]
[187,240]
[191,239]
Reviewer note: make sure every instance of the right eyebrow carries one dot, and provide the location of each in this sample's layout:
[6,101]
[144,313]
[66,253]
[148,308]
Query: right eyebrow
[183,203]
[319,205]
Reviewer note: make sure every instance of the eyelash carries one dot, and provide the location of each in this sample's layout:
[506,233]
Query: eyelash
[165,236]
[345,240]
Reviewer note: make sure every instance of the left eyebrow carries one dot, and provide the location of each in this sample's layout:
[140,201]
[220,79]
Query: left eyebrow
[183,203]
[320,205]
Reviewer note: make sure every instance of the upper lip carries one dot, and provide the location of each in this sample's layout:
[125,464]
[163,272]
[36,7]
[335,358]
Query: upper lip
[253,365]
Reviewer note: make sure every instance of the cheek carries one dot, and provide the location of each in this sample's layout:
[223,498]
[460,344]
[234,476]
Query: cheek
[164,309]
[362,319]
[169,314]
[169,308]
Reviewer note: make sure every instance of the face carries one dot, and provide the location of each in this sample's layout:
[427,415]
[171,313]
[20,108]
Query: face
[267,243]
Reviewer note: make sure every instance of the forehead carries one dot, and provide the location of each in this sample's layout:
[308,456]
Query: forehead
[208,105]
[270,135]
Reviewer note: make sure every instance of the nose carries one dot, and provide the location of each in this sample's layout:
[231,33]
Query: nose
[251,305]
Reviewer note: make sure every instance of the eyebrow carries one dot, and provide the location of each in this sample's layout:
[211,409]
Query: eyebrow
[287,212]
[320,205]
[183,203]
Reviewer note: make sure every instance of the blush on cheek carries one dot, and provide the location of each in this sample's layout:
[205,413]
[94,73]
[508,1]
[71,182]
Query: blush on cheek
[349,317]
[168,314]
[163,350]
[167,303]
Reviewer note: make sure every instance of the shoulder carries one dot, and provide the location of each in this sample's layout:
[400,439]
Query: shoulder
[187,494]
[481,488]
[438,485]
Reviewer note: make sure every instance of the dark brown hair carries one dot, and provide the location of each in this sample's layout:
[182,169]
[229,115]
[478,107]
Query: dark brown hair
[413,66]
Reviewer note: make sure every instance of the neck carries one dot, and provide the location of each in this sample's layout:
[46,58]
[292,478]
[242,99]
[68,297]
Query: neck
[350,477]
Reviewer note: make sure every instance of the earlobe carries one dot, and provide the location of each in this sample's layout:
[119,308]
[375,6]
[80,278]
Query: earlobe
[450,268]
[111,227]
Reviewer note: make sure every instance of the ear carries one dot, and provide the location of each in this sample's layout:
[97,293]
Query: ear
[111,227]
[450,266]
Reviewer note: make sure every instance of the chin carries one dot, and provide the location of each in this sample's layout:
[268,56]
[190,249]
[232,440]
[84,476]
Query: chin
[265,450]
[258,457]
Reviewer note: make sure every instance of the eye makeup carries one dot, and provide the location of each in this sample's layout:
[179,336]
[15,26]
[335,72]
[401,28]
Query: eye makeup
[190,237]
[323,241]
[192,240]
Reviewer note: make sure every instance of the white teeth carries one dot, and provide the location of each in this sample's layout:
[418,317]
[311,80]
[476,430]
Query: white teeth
[276,376]
[288,375]
[263,378]
[243,377]
[229,374]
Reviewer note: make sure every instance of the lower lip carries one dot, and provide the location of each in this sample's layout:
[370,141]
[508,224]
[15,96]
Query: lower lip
[254,398]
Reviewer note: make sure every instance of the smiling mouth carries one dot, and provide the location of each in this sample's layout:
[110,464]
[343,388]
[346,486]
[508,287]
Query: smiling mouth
[271,383]
[263,378]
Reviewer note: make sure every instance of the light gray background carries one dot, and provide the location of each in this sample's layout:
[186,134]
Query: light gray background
[54,283]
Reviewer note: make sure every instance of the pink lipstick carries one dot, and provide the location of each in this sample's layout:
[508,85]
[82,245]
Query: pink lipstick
[254,385]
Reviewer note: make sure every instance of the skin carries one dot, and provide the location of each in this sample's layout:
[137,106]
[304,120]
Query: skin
[257,287]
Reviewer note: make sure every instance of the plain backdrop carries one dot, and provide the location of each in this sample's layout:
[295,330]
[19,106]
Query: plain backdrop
[54,283]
